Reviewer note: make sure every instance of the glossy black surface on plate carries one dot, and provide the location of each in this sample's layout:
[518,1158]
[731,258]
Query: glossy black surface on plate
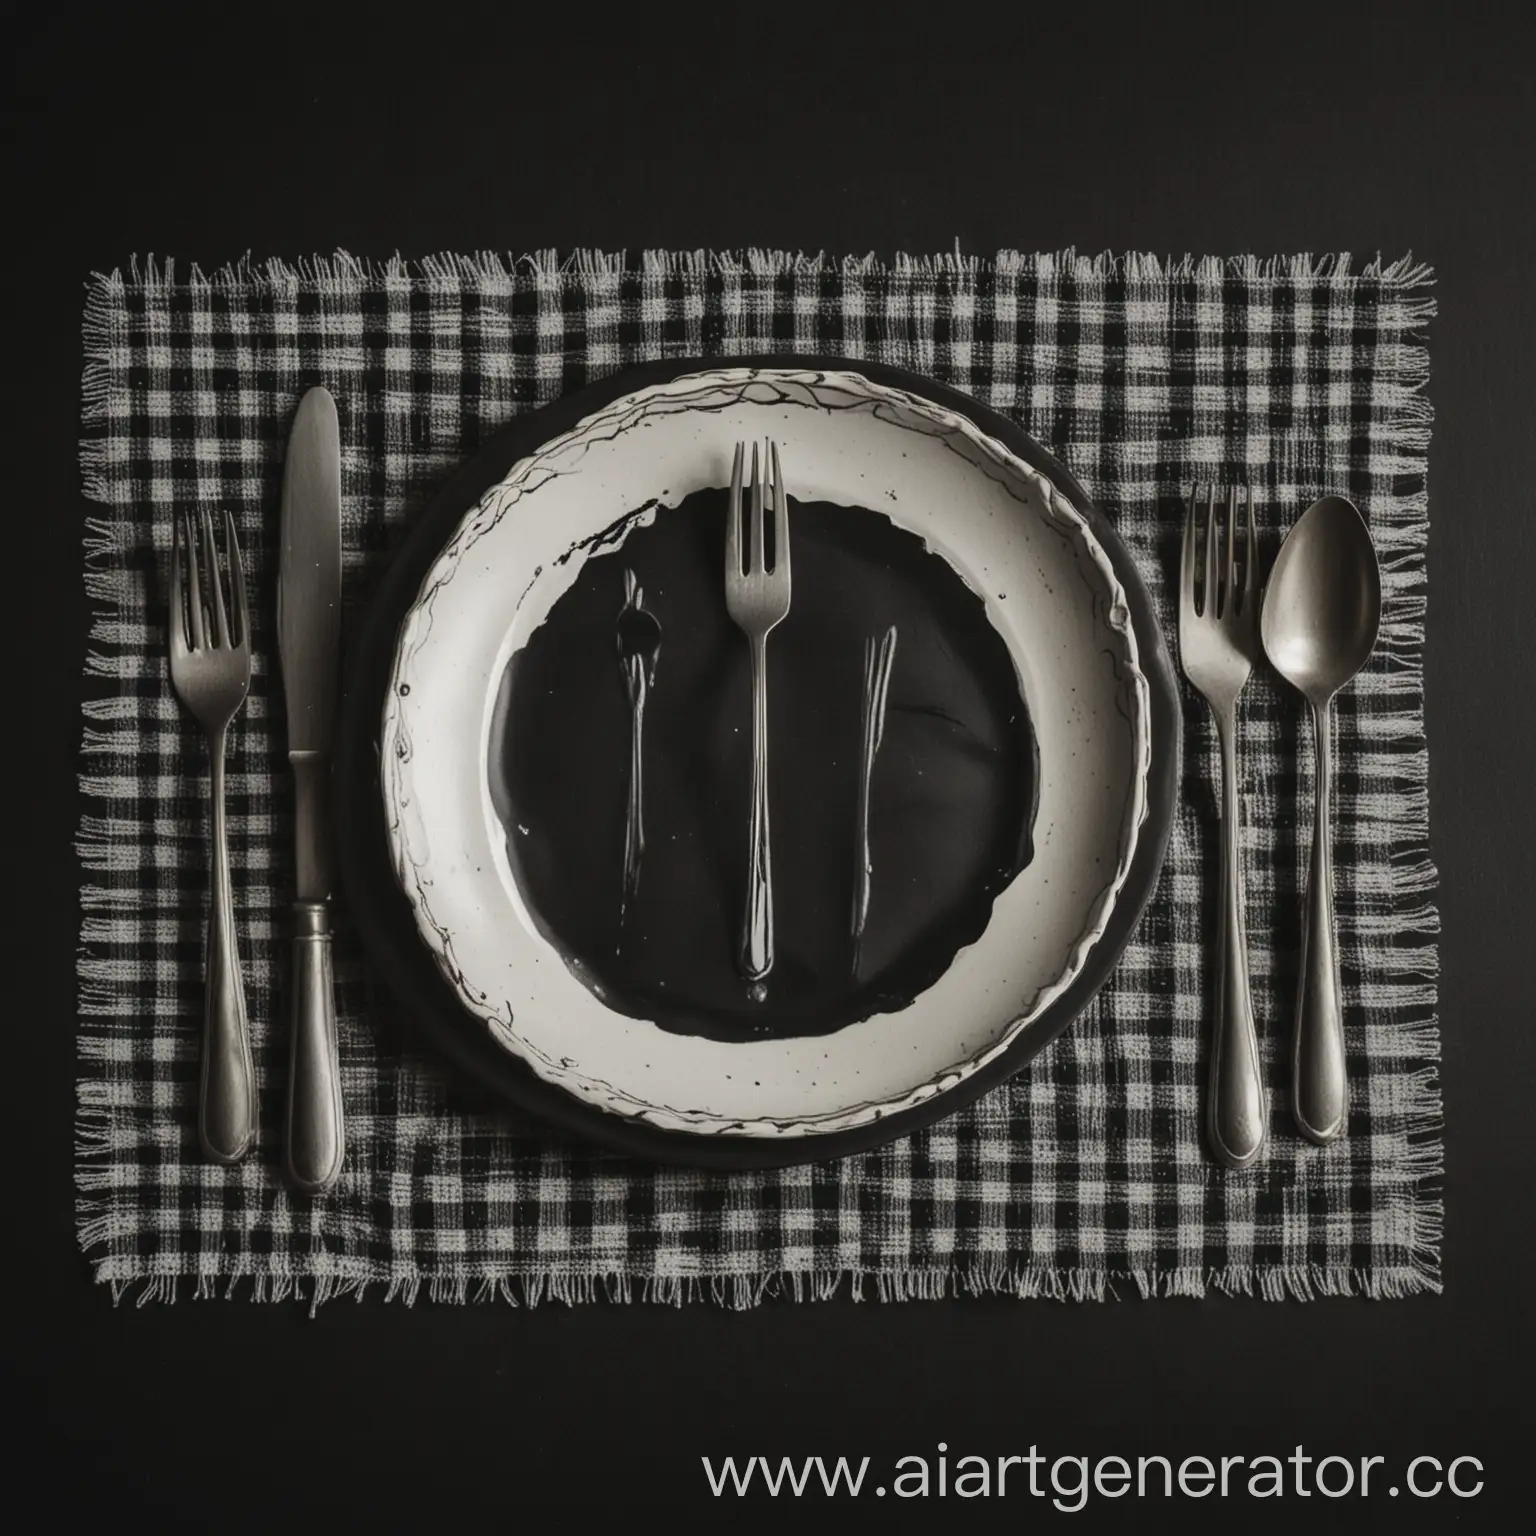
[953,789]
[382,914]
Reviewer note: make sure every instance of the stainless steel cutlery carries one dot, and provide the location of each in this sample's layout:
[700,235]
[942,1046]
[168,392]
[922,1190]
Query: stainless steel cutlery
[1322,611]
[1317,624]
[210,650]
[210,645]
[1218,644]
[309,636]
[757,593]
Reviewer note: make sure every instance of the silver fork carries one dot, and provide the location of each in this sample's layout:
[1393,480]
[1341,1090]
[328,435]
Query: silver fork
[757,597]
[211,671]
[1218,643]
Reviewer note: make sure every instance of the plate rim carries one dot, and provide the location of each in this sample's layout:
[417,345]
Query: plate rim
[403,789]
[383,915]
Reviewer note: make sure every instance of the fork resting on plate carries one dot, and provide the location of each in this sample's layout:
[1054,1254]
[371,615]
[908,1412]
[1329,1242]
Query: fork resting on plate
[757,598]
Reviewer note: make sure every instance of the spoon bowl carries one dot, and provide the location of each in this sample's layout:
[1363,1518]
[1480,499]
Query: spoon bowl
[1322,608]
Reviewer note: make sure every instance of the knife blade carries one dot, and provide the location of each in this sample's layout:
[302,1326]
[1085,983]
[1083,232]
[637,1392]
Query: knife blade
[309,640]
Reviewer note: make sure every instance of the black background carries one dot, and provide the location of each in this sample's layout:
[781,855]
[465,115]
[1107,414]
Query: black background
[219,130]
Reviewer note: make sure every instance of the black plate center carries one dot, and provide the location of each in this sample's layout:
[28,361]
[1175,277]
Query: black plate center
[952,797]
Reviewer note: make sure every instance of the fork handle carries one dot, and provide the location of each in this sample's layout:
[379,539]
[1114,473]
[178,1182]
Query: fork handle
[226,1116]
[757,923]
[316,1144]
[1319,1095]
[1237,1111]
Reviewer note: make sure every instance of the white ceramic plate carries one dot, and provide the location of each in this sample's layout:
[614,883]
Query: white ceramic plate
[1049,590]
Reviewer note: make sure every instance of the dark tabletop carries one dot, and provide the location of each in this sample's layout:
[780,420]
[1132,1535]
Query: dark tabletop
[290,130]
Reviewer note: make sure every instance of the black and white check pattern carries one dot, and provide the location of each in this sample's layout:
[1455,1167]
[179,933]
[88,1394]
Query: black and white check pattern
[1084,1177]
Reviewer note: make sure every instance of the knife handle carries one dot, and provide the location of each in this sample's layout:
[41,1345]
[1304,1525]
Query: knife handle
[316,1143]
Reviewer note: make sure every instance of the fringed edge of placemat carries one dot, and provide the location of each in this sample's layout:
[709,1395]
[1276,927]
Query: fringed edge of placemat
[741,1293]
[1413,964]
[150,273]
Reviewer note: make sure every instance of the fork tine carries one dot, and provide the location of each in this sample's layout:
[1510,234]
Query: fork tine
[218,616]
[1212,606]
[755,561]
[1187,552]
[1251,557]
[178,618]
[237,580]
[780,517]
[1229,587]
[195,597]
[733,520]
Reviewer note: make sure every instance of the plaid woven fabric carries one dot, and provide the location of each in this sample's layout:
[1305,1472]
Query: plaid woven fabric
[1084,1177]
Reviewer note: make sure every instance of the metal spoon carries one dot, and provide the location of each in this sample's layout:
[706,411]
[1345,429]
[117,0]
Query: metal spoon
[1322,610]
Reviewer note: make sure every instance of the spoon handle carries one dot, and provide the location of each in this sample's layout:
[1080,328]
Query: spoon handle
[1319,1093]
[1236,1108]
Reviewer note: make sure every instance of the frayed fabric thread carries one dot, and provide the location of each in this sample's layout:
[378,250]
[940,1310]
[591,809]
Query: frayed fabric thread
[745,1292]
[342,269]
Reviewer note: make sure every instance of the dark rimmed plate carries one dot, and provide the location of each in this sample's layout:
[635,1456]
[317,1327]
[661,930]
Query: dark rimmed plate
[383,914]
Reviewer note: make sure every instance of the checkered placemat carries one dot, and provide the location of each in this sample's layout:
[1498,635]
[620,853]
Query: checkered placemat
[1084,1177]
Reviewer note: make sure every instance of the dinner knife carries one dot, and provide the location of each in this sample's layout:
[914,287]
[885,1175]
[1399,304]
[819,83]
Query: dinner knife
[309,635]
